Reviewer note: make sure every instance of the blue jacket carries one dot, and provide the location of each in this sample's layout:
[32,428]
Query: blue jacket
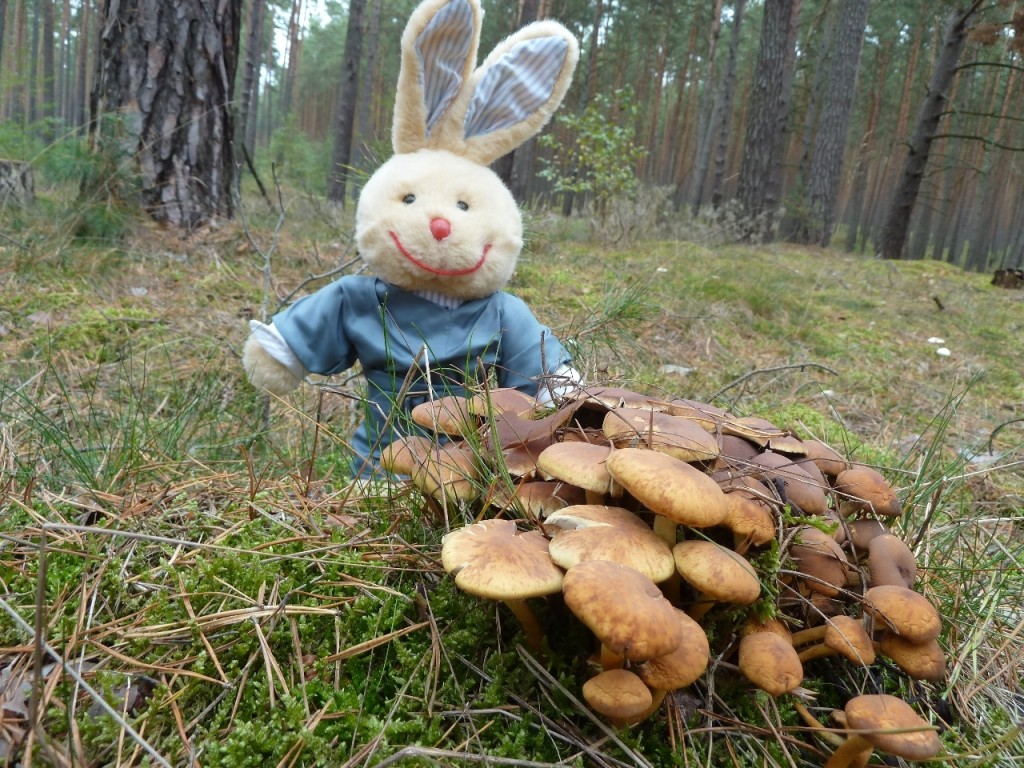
[408,344]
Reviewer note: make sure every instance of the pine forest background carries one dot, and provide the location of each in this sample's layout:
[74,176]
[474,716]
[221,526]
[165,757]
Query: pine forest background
[806,132]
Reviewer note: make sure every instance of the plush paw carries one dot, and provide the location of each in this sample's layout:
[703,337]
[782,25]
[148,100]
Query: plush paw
[266,372]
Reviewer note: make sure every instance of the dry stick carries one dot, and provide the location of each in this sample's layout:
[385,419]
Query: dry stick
[750,374]
[96,695]
[256,176]
[431,752]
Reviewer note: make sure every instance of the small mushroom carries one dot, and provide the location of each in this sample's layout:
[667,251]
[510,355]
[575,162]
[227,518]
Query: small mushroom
[636,547]
[447,415]
[676,436]
[495,560]
[828,460]
[619,695]
[802,491]
[821,562]
[889,724]
[903,611]
[864,489]
[921,661]
[719,575]
[842,635]
[768,660]
[581,464]
[890,561]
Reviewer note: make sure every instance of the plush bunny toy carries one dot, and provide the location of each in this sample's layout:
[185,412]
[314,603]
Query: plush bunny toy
[440,233]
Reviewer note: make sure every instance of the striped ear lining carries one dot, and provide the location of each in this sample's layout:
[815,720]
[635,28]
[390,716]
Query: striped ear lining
[442,48]
[517,86]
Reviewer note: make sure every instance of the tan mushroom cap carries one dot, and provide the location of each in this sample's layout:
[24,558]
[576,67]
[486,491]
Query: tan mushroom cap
[501,400]
[538,498]
[769,661]
[494,559]
[750,518]
[821,559]
[872,715]
[683,665]
[405,454]
[828,460]
[847,637]
[921,661]
[618,694]
[588,515]
[862,531]
[752,428]
[581,464]
[676,436]
[735,452]
[669,487]
[706,415]
[448,415]
[801,489]
[716,572]
[903,611]
[634,546]
[447,471]
[866,489]
[890,561]
[624,609]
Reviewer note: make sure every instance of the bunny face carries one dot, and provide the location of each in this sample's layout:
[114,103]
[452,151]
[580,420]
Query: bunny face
[432,220]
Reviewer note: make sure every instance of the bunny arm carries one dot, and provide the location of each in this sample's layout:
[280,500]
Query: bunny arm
[392,332]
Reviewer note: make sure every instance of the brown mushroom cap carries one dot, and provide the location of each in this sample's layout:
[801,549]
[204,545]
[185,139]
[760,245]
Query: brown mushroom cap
[448,415]
[903,611]
[769,661]
[683,665]
[752,428]
[501,400]
[494,559]
[669,487]
[819,557]
[581,464]
[862,531]
[538,498]
[706,415]
[716,572]
[634,546]
[801,489]
[847,637]
[586,515]
[750,518]
[828,460]
[922,661]
[890,561]
[872,715]
[405,454]
[618,694]
[865,489]
[624,609]
[447,471]
[676,436]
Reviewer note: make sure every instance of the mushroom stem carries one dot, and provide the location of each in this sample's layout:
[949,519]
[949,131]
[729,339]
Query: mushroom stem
[665,528]
[854,753]
[701,605]
[532,631]
[610,659]
[812,721]
[812,635]
[817,651]
[657,696]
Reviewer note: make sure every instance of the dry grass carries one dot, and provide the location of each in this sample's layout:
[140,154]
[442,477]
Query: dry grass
[212,576]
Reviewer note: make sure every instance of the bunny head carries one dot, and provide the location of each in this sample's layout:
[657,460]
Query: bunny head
[434,217]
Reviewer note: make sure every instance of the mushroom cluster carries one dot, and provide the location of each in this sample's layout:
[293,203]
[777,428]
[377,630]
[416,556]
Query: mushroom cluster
[657,519]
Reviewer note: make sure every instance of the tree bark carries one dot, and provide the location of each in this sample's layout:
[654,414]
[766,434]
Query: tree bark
[345,116]
[79,104]
[166,71]
[769,110]
[247,108]
[294,59]
[49,106]
[708,117]
[728,89]
[833,127]
[894,233]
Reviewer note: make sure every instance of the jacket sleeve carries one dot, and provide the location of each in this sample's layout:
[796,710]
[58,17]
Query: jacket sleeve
[314,329]
[529,349]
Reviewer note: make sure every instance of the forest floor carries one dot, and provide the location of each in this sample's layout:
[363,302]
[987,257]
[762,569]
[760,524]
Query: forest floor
[202,564]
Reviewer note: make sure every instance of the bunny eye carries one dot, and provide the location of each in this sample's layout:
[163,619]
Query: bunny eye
[463,205]
[409,199]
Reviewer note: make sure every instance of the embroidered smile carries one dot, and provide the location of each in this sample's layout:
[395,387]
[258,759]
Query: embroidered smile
[435,270]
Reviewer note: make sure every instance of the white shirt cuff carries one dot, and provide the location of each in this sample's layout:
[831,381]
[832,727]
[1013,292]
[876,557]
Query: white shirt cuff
[273,344]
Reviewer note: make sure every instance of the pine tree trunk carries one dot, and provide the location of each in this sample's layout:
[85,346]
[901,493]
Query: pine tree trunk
[728,89]
[769,108]
[163,93]
[294,57]
[894,234]
[710,109]
[79,110]
[345,116]
[837,106]
[49,107]
[247,112]
[3,29]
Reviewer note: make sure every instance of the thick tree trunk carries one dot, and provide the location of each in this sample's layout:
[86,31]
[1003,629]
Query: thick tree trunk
[728,89]
[894,233]
[345,116]
[166,72]
[837,106]
[769,110]
[247,108]
[49,107]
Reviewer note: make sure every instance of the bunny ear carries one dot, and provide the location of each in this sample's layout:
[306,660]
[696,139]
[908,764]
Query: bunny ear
[513,93]
[438,53]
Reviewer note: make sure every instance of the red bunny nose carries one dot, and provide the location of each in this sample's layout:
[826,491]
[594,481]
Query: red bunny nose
[440,228]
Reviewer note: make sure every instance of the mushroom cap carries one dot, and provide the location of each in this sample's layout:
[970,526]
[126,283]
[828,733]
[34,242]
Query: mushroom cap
[750,517]
[494,559]
[717,572]
[501,400]
[706,415]
[634,546]
[890,561]
[623,608]
[405,454]
[922,661]
[668,486]
[801,489]
[904,611]
[828,460]
[818,556]
[587,515]
[448,415]
[862,531]
[846,636]
[581,464]
[682,666]
[447,470]
[735,451]
[676,436]
[752,428]
[770,662]
[618,694]
[864,488]
[538,498]
[872,715]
